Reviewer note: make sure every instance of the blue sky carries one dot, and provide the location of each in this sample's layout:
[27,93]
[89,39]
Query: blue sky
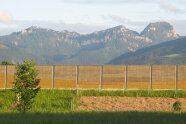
[86,16]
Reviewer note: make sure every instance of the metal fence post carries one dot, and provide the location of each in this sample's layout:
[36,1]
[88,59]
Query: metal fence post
[151,76]
[101,76]
[176,76]
[125,76]
[5,76]
[77,74]
[53,73]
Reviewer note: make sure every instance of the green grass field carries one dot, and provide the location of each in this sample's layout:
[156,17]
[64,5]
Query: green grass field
[52,101]
[54,107]
[45,101]
[135,93]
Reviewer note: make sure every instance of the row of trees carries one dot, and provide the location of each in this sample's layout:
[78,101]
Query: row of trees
[6,63]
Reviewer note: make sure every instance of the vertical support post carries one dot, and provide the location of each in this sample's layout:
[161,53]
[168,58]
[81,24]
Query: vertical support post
[53,73]
[77,74]
[125,76]
[124,82]
[5,76]
[176,77]
[150,76]
[101,76]
[71,106]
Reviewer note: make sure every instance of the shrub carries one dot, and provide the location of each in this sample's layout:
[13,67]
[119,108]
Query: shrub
[177,106]
[26,85]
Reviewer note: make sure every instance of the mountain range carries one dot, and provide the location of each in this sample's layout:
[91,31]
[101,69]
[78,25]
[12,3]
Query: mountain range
[72,48]
[169,53]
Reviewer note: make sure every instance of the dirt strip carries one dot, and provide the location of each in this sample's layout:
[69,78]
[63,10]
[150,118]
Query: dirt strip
[116,103]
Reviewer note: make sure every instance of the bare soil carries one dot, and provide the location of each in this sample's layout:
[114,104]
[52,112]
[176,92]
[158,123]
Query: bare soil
[116,103]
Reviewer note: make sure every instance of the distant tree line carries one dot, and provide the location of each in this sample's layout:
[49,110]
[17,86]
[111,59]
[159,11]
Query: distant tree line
[6,63]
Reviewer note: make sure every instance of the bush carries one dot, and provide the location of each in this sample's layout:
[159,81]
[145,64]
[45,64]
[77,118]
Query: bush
[177,106]
[26,85]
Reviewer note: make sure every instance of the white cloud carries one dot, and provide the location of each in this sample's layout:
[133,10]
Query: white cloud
[170,7]
[119,19]
[5,16]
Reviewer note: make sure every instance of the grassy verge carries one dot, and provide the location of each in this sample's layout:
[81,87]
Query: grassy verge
[135,93]
[54,101]
[94,118]
[45,101]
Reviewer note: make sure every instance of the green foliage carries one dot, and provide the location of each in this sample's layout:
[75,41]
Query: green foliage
[177,106]
[6,100]
[6,63]
[26,85]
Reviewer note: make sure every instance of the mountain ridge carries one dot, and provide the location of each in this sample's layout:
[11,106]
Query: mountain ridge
[64,47]
[14,55]
[171,52]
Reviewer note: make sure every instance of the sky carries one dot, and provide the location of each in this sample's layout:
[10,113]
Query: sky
[86,16]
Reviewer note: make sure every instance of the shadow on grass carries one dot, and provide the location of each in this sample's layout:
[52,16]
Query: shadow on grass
[94,118]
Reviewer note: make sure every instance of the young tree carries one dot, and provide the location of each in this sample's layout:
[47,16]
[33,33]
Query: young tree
[26,85]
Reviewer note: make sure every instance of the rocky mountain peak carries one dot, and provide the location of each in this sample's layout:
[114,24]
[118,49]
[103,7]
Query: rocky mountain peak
[119,28]
[29,30]
[34,27]
[160,31]
[163,25]
[121,31]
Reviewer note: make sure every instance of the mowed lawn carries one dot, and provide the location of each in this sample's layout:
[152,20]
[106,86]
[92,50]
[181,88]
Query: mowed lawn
[54,107]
